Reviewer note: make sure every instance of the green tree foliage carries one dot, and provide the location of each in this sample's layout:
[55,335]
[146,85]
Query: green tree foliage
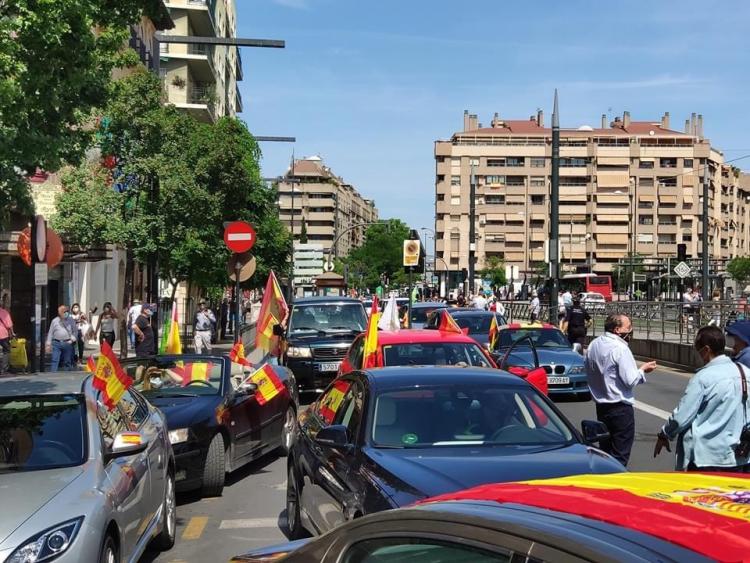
[303,232]
[739,269]
[56,59]
[494,271]
[381,254]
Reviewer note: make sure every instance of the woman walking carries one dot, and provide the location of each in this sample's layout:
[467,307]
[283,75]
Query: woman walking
[80,319]
[106,324]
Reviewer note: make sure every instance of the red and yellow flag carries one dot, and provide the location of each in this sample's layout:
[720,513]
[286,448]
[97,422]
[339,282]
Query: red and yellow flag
[237,355]
[448,323]
[193,371]
[494,332]
[90,365]
[370,358]
[269,384]
[273,311]
[332,400]
[708,513]
[109,377]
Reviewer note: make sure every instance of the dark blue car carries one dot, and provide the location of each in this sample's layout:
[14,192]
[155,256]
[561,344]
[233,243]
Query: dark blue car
[384,438]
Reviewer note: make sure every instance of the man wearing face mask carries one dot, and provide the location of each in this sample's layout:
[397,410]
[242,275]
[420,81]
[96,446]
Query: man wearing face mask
[612,375]
[740,333]
[709,420]
[61,337]
[144,334]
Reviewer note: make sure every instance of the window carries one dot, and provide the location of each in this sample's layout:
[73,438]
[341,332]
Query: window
[495,162]
[455,218]
[668,162]
[646,182]
[420,550]
[357,353]
[455,180]
[440,158]
[538,181]
[440,178]
[111,423]
[134,409]
[687,237]
[494,199]
[687,163]
[667,239]
[667,220]
[350,412]
[494,180]
[645,238]
[455,200]
[667,181]
[515,161]
[516,180]
[537,200]
[573,162]
[441,197]
[331,400]
[538,162]
[646,164]
[645,205]
[645,220]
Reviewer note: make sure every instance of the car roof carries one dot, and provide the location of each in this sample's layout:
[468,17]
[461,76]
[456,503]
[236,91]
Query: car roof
[516,326]
[44,384]
[319,300]
[410,376]
[416,336]
[428,304]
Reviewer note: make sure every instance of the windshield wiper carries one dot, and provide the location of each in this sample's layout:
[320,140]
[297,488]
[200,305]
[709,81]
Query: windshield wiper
[346,328]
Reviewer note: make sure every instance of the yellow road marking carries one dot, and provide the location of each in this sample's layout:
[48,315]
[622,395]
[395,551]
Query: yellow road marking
[195,527]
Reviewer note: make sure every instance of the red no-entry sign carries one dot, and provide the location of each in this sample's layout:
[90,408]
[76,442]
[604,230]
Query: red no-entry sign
[239,236]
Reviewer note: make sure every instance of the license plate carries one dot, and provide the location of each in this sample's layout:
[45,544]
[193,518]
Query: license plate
[329,366]
[557,380]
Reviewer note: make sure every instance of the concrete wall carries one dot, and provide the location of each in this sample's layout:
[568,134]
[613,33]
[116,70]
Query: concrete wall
[671,354]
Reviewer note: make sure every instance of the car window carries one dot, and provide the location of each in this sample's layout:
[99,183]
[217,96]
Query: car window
[420,314]
[420,550]
[41,432]
[357,352]
[542,337]
[327,316]
[134,409]
[350,412]
[331,400]
[158,377]
[111,423]
[477,324]
[434,353]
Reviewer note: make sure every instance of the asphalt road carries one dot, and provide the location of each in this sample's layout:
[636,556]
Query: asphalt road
[251,511]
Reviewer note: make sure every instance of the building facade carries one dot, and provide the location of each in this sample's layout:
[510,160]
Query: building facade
[202,79]
[308,265]
[310,193]
[626,188]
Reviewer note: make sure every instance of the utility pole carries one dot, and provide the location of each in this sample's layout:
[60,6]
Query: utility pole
[472,226]
[704,241]
[554,224]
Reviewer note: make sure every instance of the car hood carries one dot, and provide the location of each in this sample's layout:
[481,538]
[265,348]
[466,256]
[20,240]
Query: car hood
[547,356]
[317,340]
[411,474]
[25,492]
[182,412]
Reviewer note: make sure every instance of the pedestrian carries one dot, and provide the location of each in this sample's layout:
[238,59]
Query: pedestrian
[740,333]
[567,300]
[203,325]
[6,334]
[612,375]
[576,322]
[105,326]
[133,313]
[535,307]
[712,413]
[716,308]
[61,338]
[144,333]
[480,302]
[461,300]
[81,322]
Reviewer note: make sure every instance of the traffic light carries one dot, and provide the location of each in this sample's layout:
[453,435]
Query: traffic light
[682,252]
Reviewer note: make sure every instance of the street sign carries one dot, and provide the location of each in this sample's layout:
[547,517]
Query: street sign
[411,252]
[239,236]
[682,270]
[244,262]
[40,273]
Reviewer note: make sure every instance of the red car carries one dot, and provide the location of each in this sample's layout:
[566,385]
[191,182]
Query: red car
[432,347]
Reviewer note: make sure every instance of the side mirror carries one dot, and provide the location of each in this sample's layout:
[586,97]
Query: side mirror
[125,444]
[278,330]
[247,388]
[336,436]
[594,431]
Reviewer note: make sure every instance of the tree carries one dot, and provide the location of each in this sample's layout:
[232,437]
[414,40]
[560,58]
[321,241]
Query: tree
[739,269]
[56,59]
[303,232]
[381,254]
[494,270]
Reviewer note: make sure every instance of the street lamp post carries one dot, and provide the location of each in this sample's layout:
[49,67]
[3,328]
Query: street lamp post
[554,234]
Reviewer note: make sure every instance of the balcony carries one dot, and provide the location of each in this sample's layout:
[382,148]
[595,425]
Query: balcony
[239,106]
[200,14]
[200,59]
[238,72]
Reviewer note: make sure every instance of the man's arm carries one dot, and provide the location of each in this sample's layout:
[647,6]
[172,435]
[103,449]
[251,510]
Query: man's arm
[210,315]
[137,330]
[686,410]
[52,327]
[627,369]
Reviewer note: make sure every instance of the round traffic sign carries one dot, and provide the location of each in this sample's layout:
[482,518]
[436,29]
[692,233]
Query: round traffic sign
[239,236]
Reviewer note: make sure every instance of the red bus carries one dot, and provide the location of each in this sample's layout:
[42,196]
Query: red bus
[596,283]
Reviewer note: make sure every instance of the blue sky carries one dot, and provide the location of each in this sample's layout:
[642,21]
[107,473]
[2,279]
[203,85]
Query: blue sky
[370,86]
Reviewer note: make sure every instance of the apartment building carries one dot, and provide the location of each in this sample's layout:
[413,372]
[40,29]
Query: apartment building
[626,187]
[326,204]
[202,79]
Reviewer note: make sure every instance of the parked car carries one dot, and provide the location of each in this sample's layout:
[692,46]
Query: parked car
[593,302]
[383,438]
[318,334]
[562,363]
[547,521]
[478,323]
[80,482]
[216,424]
[421,310]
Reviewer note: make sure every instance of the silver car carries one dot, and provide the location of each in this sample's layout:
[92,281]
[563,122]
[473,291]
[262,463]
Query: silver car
[80,482]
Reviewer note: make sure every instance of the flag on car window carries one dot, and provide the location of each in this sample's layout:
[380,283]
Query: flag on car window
[269,384]
[273,311]
[448,323]
[331,401]
[494,332]
[109,377]
[237,355]
[193,371]
[371,337]
[90,365]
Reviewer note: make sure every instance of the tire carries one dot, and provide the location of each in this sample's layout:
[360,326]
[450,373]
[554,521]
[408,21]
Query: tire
[293,496]
[110,552]
[287,431]
[165,540]
[214,471]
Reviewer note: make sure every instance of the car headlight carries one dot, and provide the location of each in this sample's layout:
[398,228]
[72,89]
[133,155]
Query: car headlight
[48,544]
[575,370]
[299,352]
[178,436]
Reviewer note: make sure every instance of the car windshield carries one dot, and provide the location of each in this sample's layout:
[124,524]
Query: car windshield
[419,314]
[434,354]
[542,337]
[477,324]
[461,414]
[328,317]
[185,377]
[41,432]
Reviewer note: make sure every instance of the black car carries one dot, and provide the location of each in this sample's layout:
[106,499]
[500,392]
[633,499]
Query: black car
[317,337]
[478,531]
[385,438]
[478,322]
[215,422]
[421,310]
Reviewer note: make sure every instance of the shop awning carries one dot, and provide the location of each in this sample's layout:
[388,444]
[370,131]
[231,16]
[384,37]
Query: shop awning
[515,237]
[611,239]
[667,198]
[611,218]
[613,160]
[613,198]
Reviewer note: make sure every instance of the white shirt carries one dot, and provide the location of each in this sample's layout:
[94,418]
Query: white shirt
[480,302]
[133,313]
[567,298]
[535,306]
[611,370]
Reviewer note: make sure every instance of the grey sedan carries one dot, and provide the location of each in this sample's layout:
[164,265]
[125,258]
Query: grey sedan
[81,482]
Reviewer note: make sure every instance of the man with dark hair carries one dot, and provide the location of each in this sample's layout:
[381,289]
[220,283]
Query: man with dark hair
[612,375]
[576,322]
[709,420]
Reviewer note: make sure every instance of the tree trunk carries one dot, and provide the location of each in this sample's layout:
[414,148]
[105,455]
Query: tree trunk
[127,294]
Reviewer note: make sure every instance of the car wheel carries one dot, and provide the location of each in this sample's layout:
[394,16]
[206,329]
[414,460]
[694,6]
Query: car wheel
[165,539]
[287,431]
[110,553]
[293,496]
[214,471]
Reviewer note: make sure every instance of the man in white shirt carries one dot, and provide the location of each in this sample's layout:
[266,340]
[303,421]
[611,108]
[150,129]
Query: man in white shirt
[612,375]
[567,299]
[534,307]
[480,302]
[133,313]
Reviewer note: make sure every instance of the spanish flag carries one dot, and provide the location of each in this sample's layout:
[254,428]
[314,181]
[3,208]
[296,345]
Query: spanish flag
[371,337]
[333,399]
[273,311]
[269,384]
[494,332]
[195,371]
[170,341]
[448,323]
[237,355]
[109,377]
[90,365]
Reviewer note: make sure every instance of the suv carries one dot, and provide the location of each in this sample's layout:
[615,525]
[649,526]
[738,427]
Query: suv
[317,337]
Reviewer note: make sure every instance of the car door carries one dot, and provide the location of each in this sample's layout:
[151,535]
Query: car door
[129,487]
